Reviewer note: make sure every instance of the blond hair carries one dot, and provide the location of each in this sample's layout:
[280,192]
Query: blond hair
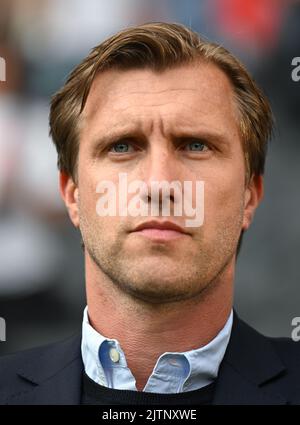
[159,46]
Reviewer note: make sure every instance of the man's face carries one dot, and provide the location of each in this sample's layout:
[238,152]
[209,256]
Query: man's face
[179,125]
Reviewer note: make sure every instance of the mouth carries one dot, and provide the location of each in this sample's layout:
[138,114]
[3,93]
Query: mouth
[160,231]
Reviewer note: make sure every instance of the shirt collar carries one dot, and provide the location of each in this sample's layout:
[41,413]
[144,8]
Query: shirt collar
[198,367]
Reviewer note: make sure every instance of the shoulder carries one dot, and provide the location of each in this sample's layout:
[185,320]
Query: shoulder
[20,358]
[258,369]
[286,348]
[288,351]
[276,360]
[36,364]
[288,381]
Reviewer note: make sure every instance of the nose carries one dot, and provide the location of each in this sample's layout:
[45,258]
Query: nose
[161,166]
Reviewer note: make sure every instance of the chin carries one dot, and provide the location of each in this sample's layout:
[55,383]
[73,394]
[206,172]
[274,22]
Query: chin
[160,296]
[163,286]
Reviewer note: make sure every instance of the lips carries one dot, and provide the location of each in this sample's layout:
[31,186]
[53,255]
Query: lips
[162,225]
[160,230]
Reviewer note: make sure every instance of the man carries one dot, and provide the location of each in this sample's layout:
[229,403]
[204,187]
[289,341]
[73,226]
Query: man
[155,103]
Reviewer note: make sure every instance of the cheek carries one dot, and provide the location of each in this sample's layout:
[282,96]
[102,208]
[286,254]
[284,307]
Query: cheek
[103,226]
[88,197]
[224,199]
[88,179]
[87,184]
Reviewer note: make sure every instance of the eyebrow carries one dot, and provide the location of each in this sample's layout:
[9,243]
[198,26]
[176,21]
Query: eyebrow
[109,138]
[113,137]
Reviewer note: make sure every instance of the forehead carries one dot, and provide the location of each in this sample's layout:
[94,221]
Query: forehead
[186,95]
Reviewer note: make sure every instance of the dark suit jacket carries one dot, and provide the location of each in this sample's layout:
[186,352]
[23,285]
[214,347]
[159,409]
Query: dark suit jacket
[255,370]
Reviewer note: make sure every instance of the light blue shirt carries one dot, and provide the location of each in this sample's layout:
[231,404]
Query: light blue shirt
[105,363]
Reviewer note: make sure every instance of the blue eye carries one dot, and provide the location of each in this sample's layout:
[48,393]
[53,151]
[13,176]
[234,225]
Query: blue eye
[196,146]
[121,147]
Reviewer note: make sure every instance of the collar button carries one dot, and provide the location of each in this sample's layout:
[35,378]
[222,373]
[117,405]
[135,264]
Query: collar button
[114,355]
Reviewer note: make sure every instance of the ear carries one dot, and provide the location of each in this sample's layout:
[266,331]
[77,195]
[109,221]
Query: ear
[69,194]
[253,195]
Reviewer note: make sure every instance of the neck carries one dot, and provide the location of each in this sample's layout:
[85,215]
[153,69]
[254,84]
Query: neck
[145,331]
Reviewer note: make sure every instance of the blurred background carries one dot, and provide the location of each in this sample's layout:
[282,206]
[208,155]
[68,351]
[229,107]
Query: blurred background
[41,262]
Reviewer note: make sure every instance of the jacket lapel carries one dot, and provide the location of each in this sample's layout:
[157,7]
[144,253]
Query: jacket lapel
[54,377]
[249,369]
